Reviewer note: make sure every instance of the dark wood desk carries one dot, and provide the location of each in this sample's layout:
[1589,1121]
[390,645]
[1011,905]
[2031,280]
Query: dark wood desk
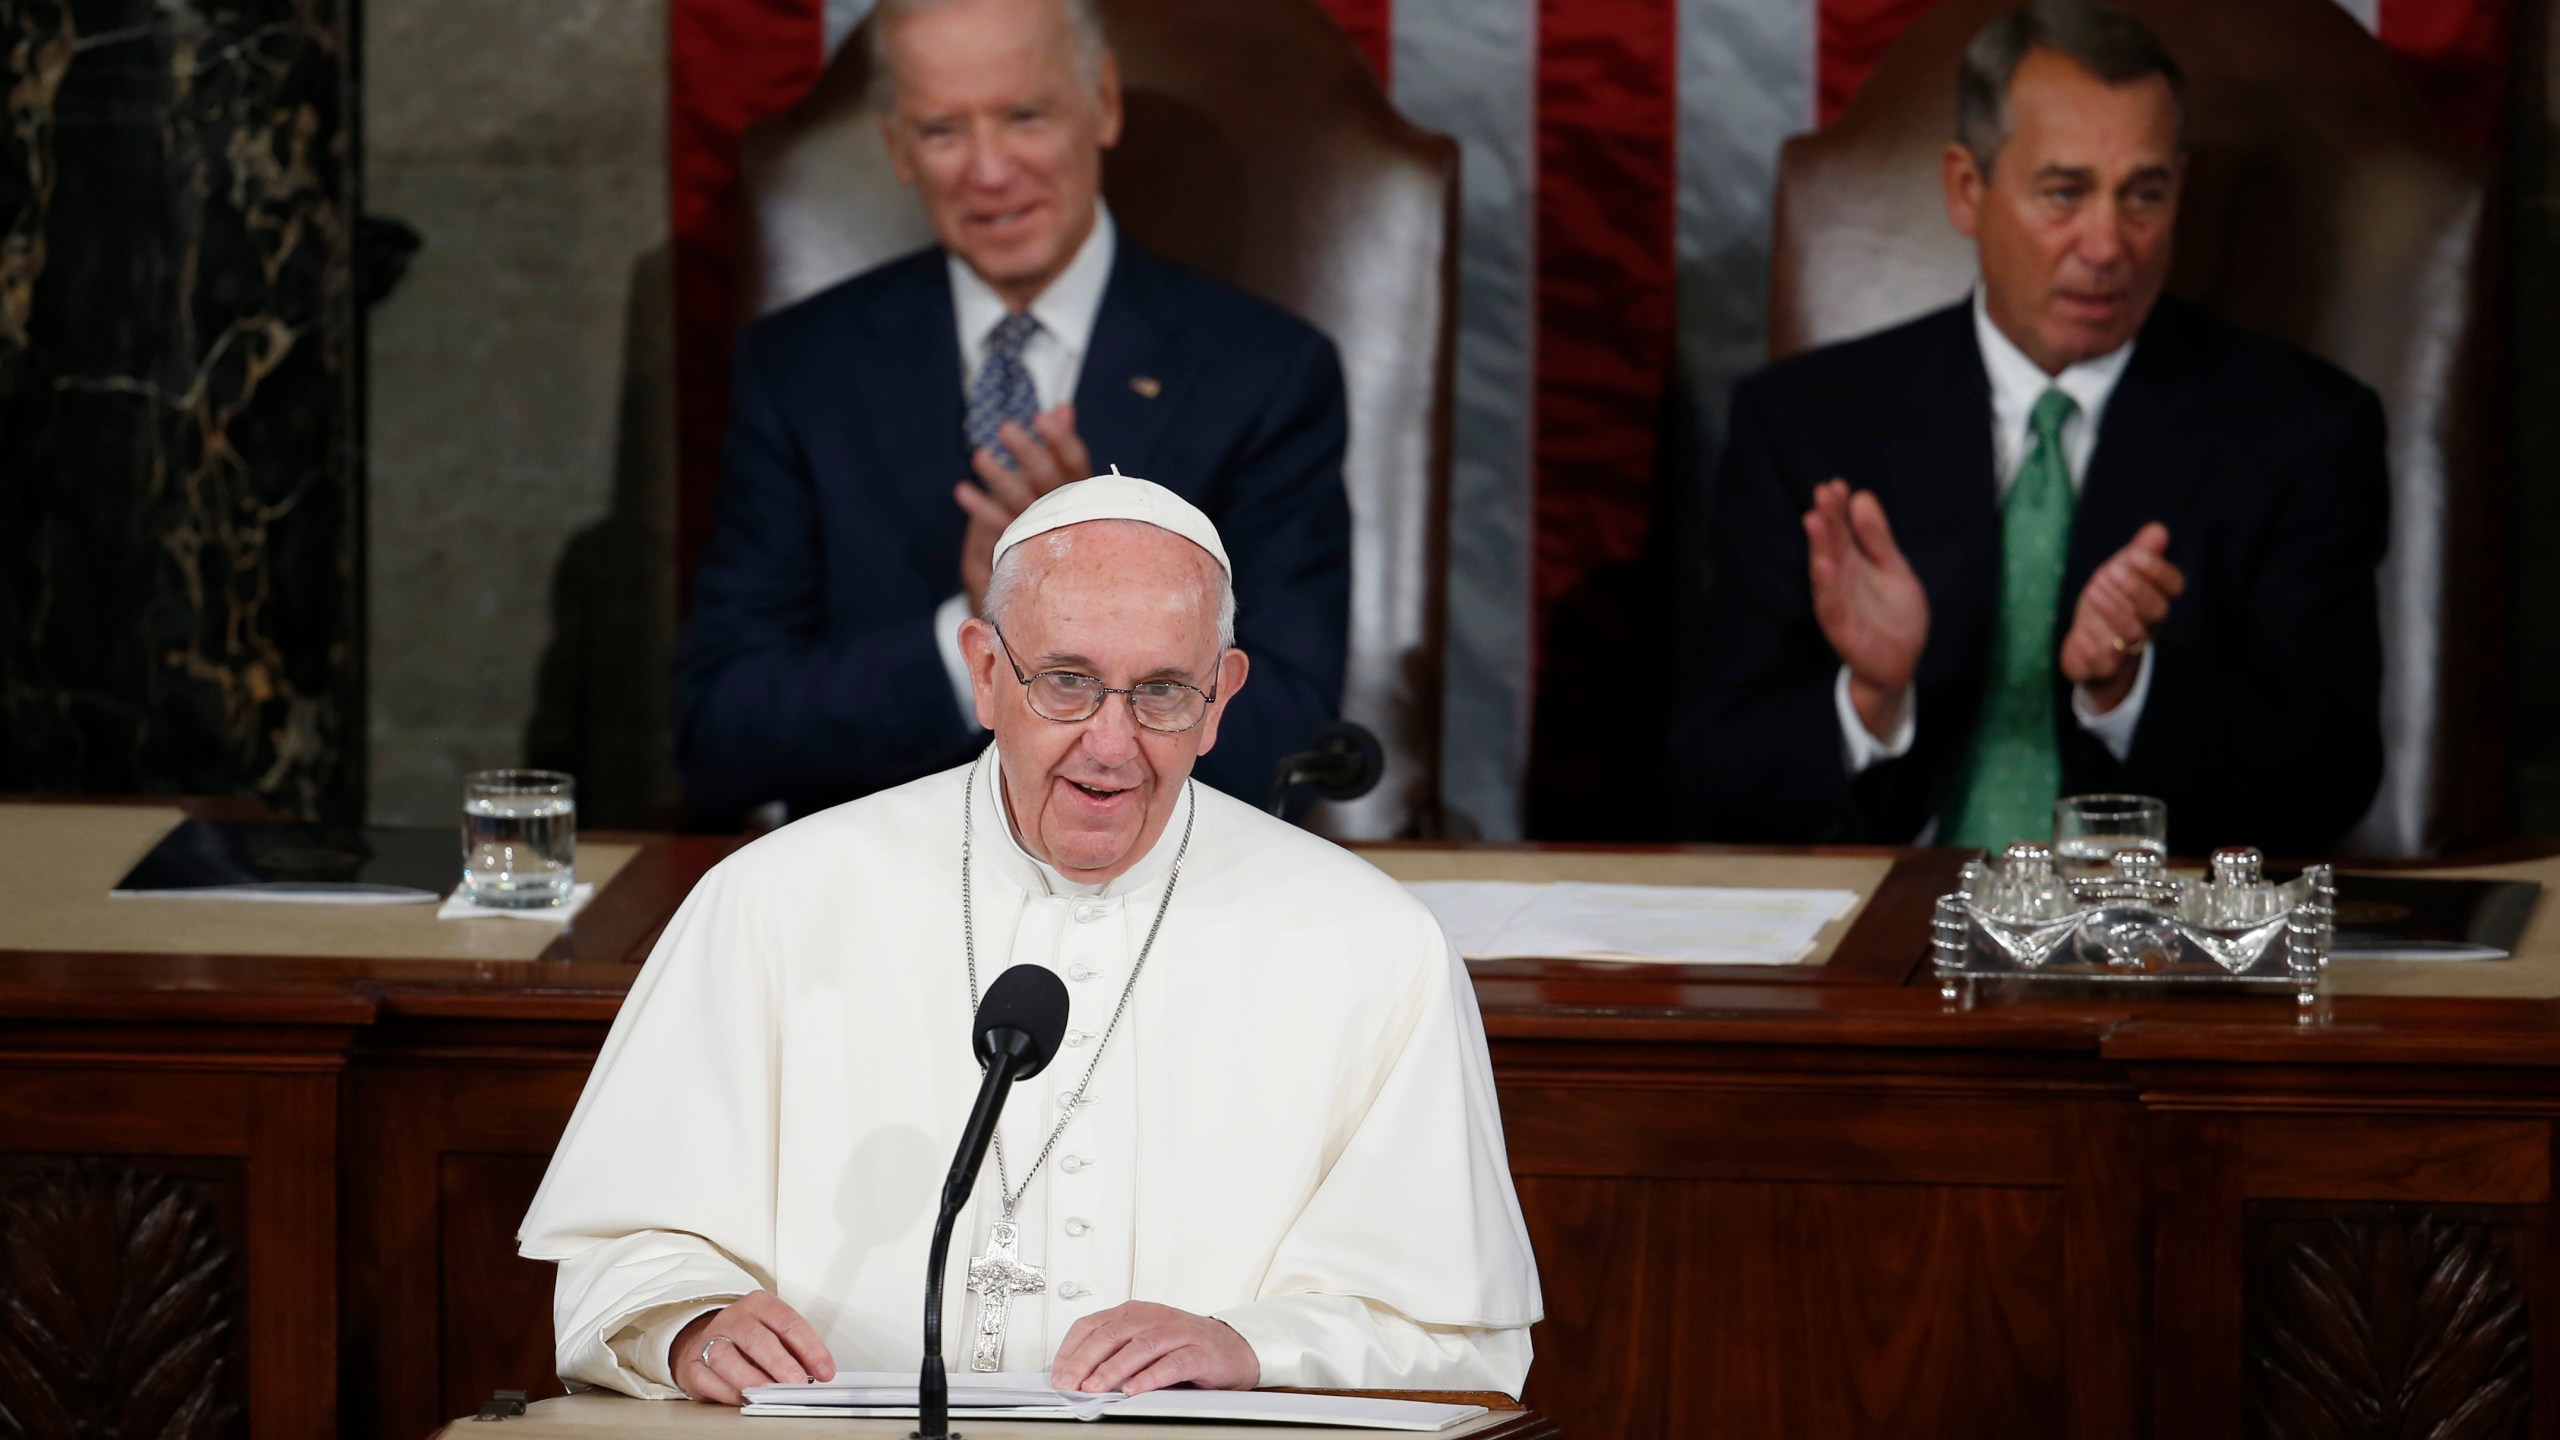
[1803,1202]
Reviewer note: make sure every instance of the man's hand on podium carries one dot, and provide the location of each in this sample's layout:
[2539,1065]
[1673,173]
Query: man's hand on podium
[1140,1347]
[756,1341]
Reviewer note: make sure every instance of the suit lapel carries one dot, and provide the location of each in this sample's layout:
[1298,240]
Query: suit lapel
[1946,518]
[1131,383]
[2144,460]
[909,379]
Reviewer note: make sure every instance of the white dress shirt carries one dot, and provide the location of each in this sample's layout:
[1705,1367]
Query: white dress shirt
[2016,384]
[1054,357]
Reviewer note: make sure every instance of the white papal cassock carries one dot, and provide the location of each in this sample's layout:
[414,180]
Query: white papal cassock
[1294,1130]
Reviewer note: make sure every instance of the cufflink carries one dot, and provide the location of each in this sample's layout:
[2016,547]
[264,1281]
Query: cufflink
[1147,386]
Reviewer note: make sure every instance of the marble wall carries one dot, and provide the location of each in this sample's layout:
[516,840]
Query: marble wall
[520,501]
[178,381]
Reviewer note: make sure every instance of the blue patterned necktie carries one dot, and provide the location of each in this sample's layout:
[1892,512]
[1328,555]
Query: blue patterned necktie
[1003,391]
[2016,769]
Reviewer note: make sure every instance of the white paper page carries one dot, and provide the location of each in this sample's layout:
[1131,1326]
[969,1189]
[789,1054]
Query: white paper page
[971,1414]
[1027,1391]
[1676,924]
[1475,913]
[1270,1407]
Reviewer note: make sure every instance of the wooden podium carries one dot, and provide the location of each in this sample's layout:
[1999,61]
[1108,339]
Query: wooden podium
[597,1416]
[1804,1201]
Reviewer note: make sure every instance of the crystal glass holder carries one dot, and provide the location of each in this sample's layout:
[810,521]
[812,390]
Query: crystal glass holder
[2137,922]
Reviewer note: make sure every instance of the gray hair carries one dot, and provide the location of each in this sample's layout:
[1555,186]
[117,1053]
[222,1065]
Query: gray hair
[2100,39]
[1084,24]
[1005,585]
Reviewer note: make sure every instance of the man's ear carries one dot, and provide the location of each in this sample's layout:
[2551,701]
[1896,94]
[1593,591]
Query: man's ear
[1232,668]
[1106,93]
[978,648]
[1964,182]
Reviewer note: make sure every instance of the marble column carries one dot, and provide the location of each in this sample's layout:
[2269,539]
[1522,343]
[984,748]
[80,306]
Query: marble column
[179,373]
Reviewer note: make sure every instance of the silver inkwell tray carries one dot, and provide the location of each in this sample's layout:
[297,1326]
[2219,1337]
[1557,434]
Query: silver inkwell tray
[2136,923]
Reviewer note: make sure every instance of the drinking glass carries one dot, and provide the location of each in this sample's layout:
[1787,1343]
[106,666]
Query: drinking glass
[519,838]
[2088,830]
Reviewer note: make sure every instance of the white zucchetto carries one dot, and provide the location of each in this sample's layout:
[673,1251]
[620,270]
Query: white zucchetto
[1115,497]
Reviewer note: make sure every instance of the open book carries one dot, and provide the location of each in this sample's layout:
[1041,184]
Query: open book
[1028,1396]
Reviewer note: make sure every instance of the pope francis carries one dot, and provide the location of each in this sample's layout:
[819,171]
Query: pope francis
[1268,1153]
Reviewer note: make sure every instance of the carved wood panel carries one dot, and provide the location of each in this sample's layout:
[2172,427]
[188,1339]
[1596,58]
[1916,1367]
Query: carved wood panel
[122,1307]
[2387,1321]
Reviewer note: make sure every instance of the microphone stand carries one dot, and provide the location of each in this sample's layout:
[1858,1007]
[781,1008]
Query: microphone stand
[1010,1051]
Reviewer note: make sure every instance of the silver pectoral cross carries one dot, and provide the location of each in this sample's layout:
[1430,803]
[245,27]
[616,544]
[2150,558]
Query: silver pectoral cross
[996,1277]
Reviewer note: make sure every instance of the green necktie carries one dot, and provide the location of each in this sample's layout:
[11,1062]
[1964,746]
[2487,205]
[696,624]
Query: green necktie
[2015,773]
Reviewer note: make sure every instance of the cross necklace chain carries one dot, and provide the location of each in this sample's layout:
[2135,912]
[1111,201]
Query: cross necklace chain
[1000,1274]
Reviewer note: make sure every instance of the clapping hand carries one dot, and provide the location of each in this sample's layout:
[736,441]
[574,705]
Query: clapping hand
[1044,457]
[756,1341]
[1869,603]
[2120,607]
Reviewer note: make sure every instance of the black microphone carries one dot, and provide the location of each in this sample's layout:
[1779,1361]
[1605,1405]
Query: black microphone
[1344,763]
[1016,1031]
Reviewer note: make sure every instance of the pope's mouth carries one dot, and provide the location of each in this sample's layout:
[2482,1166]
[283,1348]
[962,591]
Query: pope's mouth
[1099,797]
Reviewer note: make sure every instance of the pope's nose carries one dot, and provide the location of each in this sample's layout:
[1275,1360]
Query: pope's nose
[1110,738]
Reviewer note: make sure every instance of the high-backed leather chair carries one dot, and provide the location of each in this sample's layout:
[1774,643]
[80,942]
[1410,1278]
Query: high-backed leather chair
[1257,147]
[2323,206]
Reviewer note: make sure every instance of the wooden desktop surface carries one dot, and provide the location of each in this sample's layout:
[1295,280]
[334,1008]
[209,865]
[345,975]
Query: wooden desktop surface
[588,1416]
[1809,1200]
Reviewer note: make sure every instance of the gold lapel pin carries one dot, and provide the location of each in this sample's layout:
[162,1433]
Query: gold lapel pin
[1147,386]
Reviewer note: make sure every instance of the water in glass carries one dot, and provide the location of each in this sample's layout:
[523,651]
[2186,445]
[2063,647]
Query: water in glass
[519,844]
[2079,856]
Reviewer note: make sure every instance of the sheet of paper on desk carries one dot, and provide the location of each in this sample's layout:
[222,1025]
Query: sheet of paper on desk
[1027,1396]
[1674,924]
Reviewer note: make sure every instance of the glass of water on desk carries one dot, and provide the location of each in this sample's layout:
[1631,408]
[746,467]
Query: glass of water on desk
[2088,830]
[519,838]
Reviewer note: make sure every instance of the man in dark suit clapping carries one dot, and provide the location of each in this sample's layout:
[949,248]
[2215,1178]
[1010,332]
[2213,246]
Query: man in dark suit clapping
[2068,536]
[886,430]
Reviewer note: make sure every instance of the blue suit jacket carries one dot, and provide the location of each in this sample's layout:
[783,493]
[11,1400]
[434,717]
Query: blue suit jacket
[808,671]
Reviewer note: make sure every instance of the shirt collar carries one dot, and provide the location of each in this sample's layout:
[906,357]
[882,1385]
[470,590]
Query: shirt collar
[2017,382]
[1065,310]
[1042,878]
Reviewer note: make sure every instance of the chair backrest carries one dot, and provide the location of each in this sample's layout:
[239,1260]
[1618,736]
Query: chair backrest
[1258,147]
[2323,206]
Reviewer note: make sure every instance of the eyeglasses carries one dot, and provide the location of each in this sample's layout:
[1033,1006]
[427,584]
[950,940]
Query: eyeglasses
[1167,707]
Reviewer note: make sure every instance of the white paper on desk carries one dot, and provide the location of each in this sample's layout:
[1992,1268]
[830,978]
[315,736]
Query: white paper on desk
[1352,1412]
[1028,1396]
[1476,914]
[460,906]
[1668,924]
[1009,1395]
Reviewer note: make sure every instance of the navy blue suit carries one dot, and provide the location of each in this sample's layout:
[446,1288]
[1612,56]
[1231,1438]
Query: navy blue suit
[808,671]
[2263,725]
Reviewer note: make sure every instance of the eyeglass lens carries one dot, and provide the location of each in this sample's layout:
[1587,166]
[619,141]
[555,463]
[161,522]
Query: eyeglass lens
[1158,704]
